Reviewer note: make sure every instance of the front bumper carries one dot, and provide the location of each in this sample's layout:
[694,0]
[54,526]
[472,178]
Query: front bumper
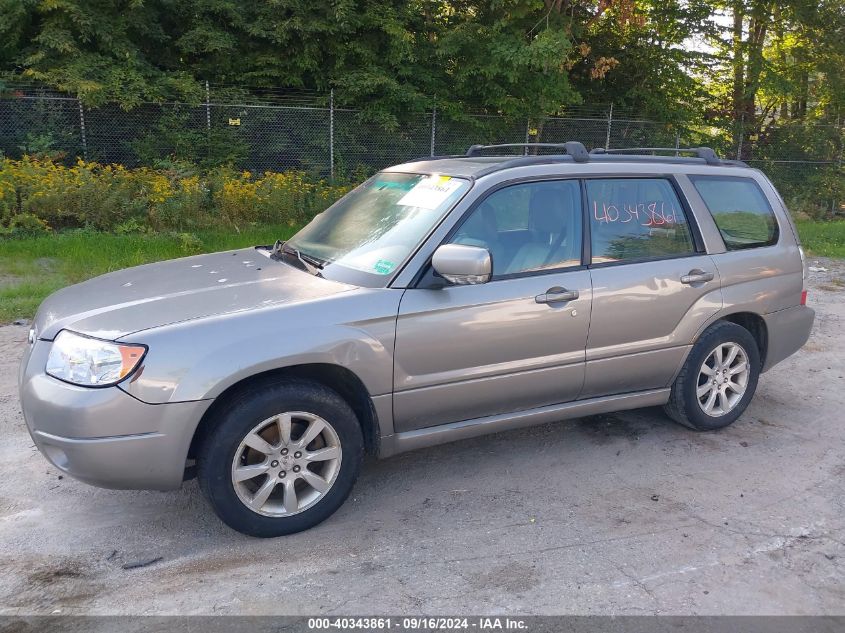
[105,437]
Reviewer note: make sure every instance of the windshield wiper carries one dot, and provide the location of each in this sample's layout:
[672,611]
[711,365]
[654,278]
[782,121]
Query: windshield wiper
[314,261]
[309,264]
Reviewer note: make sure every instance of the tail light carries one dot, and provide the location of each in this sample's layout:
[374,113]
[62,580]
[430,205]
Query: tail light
[803,275]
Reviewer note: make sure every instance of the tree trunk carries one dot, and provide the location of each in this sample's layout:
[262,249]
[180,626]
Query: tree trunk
[738,70]
[761,16]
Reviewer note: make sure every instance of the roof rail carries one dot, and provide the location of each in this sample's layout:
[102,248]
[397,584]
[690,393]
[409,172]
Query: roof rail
[524,161]
[572,148]
[576,152]
[705,153]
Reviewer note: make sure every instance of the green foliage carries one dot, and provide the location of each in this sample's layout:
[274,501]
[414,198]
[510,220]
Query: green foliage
[499,57]
[390,58]
[387,58]
[40,145]
[132,226]
[25,224]
[177,197]
[102,51]
[750,84]
[651,68]
[173,140]
[38,127]
[819,195]
[189,243]
[824,239]
[776,62]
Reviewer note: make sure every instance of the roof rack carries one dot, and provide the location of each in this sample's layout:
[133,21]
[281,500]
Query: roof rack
[575,152]
[571,148]
[705,153]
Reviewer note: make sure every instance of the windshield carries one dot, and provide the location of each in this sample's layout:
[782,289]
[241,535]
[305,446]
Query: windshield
[366,235]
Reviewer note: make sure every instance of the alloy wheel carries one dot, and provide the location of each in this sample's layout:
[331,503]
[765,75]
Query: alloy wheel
[723,379]
[286,464]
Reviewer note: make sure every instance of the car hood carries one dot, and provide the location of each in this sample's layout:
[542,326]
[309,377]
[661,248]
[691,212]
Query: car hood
[133,299]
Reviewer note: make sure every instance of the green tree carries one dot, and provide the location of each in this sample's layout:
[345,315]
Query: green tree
[100,50]
[638,57]
[390,58]
[781,60]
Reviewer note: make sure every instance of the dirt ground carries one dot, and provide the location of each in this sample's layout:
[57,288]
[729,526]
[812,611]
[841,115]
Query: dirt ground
[622,514]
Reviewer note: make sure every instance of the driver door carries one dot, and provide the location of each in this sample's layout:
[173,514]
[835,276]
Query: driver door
[514,343]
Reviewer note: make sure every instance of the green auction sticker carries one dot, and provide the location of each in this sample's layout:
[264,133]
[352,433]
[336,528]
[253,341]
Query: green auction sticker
[383,267]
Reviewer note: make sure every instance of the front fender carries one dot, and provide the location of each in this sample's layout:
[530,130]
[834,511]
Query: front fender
[198,360]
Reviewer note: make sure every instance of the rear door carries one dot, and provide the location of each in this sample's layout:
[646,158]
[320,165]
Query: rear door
[653,285]
[760,265]
[514,343]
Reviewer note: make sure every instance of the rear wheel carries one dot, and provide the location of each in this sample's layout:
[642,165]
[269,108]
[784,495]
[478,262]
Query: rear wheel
[718,379]
[280,458]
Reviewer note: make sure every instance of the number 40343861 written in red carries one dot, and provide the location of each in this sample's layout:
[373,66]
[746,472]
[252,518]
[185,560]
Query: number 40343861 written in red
[645,213]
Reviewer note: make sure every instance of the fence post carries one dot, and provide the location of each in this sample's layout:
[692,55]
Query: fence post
[677,141]
[82,129]
[207,107]
[207,120]
[609,124]
[433,124]
[527,136]
[841,125]
[331,135]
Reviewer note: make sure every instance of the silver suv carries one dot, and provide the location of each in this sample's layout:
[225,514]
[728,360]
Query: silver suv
[442,299]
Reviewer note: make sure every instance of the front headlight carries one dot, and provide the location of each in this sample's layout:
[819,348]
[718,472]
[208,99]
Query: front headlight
[91,362]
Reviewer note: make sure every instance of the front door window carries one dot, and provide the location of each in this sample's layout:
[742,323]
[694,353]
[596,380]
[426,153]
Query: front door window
[528,228]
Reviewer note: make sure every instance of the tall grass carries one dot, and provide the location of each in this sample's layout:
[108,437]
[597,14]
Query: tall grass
[823,239]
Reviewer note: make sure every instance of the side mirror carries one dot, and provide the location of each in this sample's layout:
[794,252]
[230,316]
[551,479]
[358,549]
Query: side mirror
[462,265]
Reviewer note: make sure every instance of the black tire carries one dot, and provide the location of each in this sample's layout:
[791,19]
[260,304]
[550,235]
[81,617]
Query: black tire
[683,406]
[238,416]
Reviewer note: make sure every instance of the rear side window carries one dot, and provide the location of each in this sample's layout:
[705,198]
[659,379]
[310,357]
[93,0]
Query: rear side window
[743,215]
[636,218]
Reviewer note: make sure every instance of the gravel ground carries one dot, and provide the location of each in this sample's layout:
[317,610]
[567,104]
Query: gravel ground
[622,514]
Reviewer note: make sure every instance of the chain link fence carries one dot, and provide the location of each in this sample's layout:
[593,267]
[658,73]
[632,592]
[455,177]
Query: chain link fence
[277,131]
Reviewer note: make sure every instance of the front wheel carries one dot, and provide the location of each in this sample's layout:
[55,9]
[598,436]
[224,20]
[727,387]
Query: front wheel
[718,379]
[280,458]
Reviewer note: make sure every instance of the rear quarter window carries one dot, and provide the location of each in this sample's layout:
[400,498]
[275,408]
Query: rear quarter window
[741,211]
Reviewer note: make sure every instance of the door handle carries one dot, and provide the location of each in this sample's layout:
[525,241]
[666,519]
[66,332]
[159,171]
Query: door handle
[557,295]
[696,276]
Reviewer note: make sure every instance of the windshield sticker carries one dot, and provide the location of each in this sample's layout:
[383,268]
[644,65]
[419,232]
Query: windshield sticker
[430,192]
[383,267]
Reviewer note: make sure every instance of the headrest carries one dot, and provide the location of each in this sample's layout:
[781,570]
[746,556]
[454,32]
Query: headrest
[482,222]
